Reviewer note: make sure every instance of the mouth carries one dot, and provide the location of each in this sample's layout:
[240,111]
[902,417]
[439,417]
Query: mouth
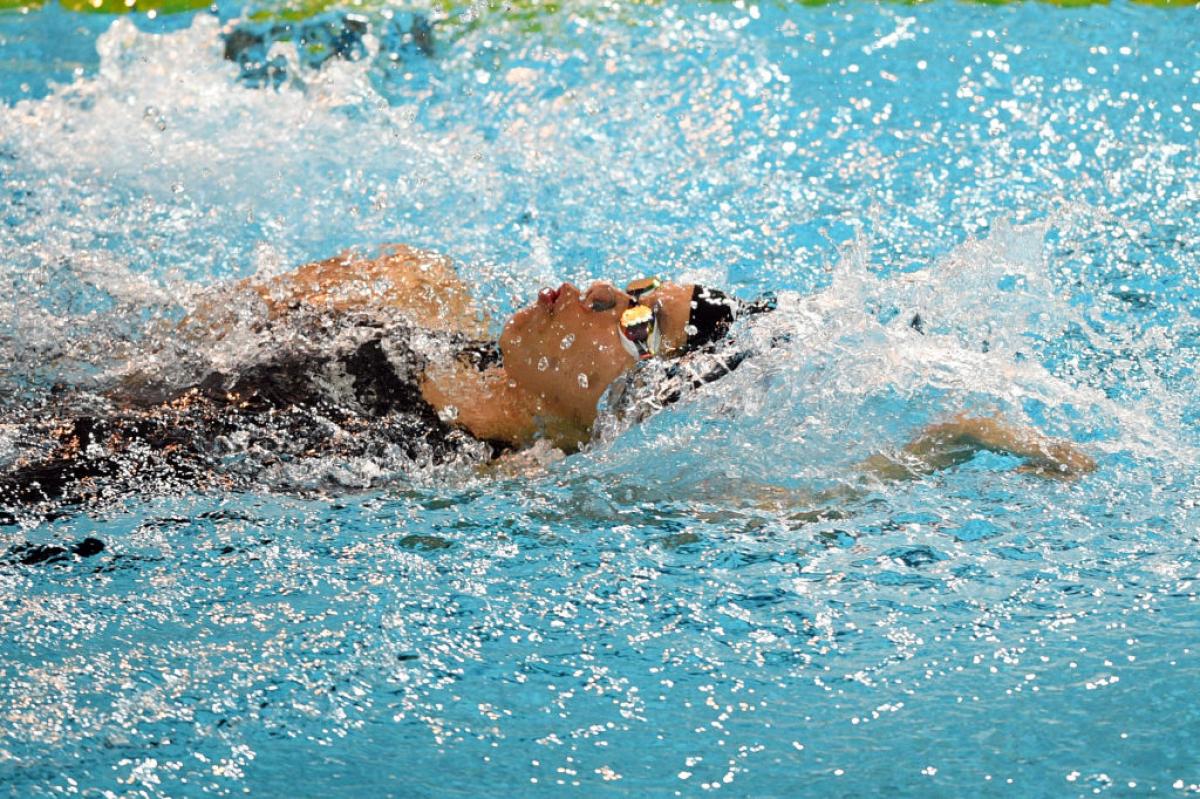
[554,299]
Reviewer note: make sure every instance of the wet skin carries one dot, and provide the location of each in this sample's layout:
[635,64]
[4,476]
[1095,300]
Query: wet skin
[560,353]
[565,348]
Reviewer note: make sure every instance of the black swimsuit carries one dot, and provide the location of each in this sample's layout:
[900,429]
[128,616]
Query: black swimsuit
[229,429]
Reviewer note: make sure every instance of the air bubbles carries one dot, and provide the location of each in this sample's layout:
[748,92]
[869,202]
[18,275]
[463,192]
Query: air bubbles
[582,380]
[567,341]
[543,363]
[153,116]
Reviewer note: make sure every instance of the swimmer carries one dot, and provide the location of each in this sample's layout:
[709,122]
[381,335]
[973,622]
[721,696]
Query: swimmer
[391,354]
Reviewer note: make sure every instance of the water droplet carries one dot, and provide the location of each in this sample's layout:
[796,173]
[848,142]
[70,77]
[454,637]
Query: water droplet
[567,341]
[448,414]
[543,363]
[583,380]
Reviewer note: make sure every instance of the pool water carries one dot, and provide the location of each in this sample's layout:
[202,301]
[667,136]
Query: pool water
[655,616]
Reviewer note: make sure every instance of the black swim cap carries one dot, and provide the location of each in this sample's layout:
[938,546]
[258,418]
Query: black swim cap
[713,313]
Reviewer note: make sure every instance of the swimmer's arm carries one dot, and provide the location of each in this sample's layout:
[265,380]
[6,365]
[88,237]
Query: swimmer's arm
[948,444]
[939,446]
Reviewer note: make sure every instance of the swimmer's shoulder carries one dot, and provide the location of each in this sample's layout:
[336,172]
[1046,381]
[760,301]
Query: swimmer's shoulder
[419,284]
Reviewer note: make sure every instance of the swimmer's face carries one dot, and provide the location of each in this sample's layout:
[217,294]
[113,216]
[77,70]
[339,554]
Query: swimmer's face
[565,348]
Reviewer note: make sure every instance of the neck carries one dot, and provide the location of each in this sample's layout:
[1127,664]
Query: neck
[490,406]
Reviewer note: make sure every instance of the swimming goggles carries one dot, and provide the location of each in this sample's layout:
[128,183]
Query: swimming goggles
[639,327]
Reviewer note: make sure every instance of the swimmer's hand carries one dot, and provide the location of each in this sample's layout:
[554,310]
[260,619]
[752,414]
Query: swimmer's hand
[951,443]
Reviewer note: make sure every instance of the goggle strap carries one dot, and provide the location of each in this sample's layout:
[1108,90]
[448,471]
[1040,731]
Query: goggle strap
[642,286]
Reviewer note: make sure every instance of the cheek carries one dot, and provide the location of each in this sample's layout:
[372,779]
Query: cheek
[538,361]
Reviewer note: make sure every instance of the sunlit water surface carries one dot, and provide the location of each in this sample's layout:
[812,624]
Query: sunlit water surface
[651,617]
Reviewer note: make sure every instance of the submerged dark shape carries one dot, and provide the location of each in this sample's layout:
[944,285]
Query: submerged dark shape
[34,554]
[318,39]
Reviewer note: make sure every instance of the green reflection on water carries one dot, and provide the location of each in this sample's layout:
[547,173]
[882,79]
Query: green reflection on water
[530,15]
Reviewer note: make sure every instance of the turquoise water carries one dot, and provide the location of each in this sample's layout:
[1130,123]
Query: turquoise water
[654,616]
